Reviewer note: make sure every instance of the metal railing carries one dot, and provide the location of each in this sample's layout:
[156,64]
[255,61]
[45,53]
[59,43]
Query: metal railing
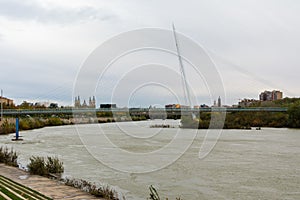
[137,110]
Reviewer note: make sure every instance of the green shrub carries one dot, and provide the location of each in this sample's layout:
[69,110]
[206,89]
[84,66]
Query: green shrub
[7,127]
[54,166]
[38,123]
[189,122]
[135,118]
[8,157]
[37,166]
[45,167]
[294,115]
[54,121]
[103,192]
[24,124]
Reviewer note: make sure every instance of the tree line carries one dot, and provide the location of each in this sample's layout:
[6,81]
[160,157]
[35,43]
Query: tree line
[246,120]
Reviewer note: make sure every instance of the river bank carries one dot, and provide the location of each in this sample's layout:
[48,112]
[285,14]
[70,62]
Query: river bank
[8,125]
[51,188]
[238,120]
[244,164]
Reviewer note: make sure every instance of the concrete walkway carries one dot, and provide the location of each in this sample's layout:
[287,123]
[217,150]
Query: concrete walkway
[50,188]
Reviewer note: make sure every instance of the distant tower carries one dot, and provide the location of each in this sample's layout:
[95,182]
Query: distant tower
[215,103]
[77,102]
[219,102]
[92,102]
[84,104]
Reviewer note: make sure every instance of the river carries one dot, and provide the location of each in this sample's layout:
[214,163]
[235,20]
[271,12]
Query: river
[131,156]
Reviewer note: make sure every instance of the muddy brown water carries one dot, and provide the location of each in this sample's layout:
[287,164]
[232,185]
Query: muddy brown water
[244,164]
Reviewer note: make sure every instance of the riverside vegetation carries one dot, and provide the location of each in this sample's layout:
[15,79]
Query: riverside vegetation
[8,157]
[53,167]
[45,166]
[245,120]
[234,120]
[29,123]
[9,126]
[99,191]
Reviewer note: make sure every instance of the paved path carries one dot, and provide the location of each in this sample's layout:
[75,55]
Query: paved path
[50,188]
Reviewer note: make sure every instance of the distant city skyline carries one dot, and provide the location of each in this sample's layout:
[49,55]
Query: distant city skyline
[44,43]
[91,103]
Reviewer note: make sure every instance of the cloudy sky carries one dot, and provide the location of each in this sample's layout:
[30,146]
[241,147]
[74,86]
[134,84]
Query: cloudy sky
[44,43]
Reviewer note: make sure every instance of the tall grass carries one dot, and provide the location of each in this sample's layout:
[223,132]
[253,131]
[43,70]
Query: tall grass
[7,127]
[45,166]
[101,192]
[8,157]
[25,123]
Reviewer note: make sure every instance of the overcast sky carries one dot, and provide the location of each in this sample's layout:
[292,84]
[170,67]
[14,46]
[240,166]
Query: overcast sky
[43,44]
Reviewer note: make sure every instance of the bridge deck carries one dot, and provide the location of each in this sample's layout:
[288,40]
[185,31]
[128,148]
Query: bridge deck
[17,112]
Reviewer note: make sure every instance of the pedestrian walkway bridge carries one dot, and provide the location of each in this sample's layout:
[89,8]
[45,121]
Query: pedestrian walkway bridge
[74,111]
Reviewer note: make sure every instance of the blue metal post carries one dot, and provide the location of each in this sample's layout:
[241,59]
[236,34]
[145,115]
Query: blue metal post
[17,128]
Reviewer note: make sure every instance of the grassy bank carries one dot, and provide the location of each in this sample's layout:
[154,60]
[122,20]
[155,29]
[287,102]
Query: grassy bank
[238,120]
[246,120]
[8,125]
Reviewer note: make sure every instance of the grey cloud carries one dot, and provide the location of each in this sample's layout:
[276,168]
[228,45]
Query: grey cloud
[260,39]
[31,10]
